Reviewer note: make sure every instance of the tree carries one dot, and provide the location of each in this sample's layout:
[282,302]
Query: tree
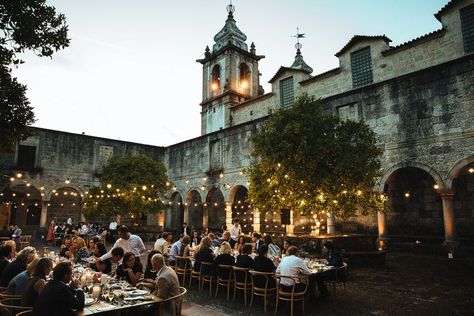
[24,25]
[314,163]
[129,186]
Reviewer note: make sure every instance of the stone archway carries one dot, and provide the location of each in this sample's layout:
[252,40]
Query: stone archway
[216,206]
[241,208]
[461,180]
[195,210]
[65,202]
[415,203]
[25,205]
[175,213]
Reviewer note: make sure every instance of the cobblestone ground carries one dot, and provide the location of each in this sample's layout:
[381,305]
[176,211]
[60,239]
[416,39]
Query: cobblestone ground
[410,284]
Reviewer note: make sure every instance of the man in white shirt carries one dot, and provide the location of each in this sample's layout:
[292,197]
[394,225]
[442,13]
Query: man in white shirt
[69,222]
[161,244]
[235,230]
[294,266]
[129,243]
[112,231]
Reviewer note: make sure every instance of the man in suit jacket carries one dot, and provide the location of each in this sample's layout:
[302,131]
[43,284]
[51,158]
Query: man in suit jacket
[58,299]
[167,284]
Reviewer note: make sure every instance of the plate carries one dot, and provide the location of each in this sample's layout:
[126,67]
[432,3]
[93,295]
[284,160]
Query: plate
[88,301]
[135,298]
[137,293]
[88,260]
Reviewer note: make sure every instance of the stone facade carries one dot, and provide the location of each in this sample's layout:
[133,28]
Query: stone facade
[420,103]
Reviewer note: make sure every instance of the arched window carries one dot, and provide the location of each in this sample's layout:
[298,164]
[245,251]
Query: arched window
[244,81]
[216,79]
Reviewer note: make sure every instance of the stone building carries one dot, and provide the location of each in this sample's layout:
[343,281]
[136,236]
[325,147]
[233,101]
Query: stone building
[418,97]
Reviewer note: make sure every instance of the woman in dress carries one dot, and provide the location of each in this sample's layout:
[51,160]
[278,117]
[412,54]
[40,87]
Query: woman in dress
[50,236]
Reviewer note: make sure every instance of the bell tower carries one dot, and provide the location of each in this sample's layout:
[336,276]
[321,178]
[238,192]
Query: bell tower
[230,75]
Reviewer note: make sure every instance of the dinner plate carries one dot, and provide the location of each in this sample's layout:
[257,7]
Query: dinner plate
[88,301]
[137,293]
[134,298]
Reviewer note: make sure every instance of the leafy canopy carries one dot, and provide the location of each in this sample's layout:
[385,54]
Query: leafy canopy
[129,186]
[314,163]
[25,25]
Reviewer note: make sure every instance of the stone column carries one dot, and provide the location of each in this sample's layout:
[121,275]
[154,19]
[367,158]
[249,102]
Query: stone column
[186,213]
[256,220]
[228,215]
[205,216]
[381,242]
[448,216]
[44,214]
[331,222]
[290,229]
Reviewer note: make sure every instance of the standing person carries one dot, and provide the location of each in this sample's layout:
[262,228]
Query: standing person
[69,222]
[112,231]
[58,299]
[186,229]
[129,243]
[235,230]
[51,230]
[16,235]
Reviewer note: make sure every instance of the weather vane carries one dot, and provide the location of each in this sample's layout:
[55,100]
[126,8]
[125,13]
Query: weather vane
[230,7]
[298,35]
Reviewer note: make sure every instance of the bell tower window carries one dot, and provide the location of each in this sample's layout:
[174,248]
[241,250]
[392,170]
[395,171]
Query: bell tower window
[244,80]
[215,79]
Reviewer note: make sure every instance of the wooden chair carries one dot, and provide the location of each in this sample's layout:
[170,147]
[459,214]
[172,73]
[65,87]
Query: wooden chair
[25,313]
[25,241]
[12,306]
[242,281]
[177,300]
[293,295]
[225,282]
[207,278]
[261,291]
[4,295]
[182,267]
[2,289]
[195,275]
[340,276]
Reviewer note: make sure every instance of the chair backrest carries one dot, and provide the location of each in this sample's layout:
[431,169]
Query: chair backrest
[341,273]
[178,300]
[241,275]
[304,279]
[25,313]
[206,266]
[263,275]
[4,295]
[25,238]
[182,262]
[13,305]
[224,271]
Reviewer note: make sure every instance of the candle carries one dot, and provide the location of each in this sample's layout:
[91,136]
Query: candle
[103,279]
[95,292]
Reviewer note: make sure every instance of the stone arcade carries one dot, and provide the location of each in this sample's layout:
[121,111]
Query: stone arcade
[417,96]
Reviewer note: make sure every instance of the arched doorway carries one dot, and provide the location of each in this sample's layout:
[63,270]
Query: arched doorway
[415,205]
[175,214]
[216,209]
[241,208]
[65,202]
[463,188]
[195,210]
[25,205]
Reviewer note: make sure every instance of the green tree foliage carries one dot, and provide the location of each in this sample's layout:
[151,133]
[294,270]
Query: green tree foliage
[314,163]
[25,25]
[129,186]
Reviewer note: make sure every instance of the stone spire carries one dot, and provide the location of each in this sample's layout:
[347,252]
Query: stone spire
[230,33]
[299,62]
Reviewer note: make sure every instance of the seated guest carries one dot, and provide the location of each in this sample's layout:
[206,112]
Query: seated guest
[6,255]
[286,244]
[244,260]
[333,258]
[203,253]
[240,244]
[273,250]
[292,265]
[117,255]
[91,245]
[214,241]
[257,241]
[17,266]
[11,243]
[161,244]
[17,284]
[36,282]
[262,263]
[101,266]
[131,269]
[58,299]
[79,250]
[226,237]
[184,249]
[174,251]
[225,257]
[150,273]
[196,239]
[65,247]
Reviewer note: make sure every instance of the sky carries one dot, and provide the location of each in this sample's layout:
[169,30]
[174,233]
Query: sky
[130,72]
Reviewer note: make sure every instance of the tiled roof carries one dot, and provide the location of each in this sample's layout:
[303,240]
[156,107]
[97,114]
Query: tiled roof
[322,75]
[283,69]
[415,41]
[448,6]
[357,38]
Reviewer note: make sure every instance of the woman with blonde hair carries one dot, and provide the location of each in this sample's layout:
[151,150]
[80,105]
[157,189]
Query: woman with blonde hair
[79,250]
[17,284]
[204,253]
[225,257]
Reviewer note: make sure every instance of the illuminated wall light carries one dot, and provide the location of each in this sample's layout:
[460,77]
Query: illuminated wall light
[221,175]
[67,181]
[109,186]
[407,194]
[28,184]
[471,170]
[12,179]
[436,186]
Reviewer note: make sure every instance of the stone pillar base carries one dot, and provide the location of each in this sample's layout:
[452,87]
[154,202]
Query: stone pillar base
[381,243]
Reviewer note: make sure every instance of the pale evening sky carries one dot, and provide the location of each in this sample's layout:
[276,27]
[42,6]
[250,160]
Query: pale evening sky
[130,71]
